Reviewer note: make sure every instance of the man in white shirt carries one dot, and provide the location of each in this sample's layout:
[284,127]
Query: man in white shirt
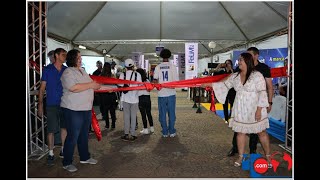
[130,102]
[166,72]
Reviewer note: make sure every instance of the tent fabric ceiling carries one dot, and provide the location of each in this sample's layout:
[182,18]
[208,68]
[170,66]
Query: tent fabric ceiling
[114,25]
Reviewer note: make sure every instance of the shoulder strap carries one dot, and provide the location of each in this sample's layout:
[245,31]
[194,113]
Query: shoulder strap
[124,75]
[131,76]
[135,78]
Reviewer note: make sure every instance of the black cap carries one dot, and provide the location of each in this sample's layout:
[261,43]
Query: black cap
[165,53]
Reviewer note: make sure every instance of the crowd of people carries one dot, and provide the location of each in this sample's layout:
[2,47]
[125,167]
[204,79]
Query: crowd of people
[70,95]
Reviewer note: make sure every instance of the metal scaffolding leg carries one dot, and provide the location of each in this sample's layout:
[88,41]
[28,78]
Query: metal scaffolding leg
[289,131]
[37,35]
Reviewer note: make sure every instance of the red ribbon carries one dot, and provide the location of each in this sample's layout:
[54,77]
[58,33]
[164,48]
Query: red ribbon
[212,105]
[95,125]
[278,72]
[108,80]
[275,72]
[34,65]
[149,86]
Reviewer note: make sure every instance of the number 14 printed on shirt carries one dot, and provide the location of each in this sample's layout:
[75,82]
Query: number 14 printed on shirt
[165,75]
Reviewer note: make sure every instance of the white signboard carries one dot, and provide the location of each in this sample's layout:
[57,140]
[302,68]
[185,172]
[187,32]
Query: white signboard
[181,66]
[191,60]
[146,65]
[141,62]
[136,56]
[175,60]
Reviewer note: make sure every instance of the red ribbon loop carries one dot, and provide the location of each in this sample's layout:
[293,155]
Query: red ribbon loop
[158,86]
[148,86]
[208,88]
[213,104]
[95,125]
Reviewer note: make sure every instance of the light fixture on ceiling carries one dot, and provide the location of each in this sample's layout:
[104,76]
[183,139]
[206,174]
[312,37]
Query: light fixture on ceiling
[82,47]
[104,51]
[212,45]
[107,55]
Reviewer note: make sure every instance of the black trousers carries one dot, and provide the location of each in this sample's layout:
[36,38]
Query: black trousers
[108,104]
[145,110]
[229,99]
[253,141]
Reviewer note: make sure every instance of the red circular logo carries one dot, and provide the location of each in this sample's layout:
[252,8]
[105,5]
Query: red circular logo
[260,165]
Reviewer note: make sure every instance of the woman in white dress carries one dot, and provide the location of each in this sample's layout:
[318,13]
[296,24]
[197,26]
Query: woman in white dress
[249,112]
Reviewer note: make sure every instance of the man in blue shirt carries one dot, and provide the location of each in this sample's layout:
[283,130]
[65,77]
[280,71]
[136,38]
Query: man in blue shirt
[51,85]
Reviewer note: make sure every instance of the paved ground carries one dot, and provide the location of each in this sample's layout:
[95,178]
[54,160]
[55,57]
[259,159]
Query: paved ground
[199,150]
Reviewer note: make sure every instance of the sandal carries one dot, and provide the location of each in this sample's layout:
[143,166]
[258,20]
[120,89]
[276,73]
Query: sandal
[237,163]
[269,160]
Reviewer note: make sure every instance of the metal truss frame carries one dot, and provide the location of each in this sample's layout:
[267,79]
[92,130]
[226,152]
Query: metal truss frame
[36,53]
[289,109]
[157,41]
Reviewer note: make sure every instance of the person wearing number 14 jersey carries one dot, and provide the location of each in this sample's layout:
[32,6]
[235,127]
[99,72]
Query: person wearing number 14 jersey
[163,73]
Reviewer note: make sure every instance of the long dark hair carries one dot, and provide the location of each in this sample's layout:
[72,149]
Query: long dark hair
[248,59]
[72,58]
[229,60]
[143,74]
[106,70]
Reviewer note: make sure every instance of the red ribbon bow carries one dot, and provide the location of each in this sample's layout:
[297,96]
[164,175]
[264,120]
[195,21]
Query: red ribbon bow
[150,86]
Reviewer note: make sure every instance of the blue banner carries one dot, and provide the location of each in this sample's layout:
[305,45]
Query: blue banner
[271,57]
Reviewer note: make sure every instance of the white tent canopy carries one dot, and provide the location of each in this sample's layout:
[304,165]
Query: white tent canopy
[121,28]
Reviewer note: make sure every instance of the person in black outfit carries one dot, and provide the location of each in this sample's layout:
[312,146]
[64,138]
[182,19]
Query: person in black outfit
[145,105]
[265,71]
[98,71]
[227,68]
[96,100]
[108,100]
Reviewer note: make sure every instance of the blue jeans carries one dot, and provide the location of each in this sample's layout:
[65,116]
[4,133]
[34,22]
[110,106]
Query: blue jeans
[77,125]
[167,104]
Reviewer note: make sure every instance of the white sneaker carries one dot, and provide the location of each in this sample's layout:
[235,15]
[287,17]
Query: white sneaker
[172,135]
[89,161]
[151,129]
[144,131]
[70,168]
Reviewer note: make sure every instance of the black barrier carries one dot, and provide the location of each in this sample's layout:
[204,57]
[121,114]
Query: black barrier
[199,100]
[194,97]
